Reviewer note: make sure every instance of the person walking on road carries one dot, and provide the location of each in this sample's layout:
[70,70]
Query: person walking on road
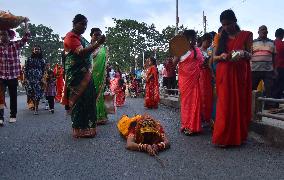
[80,91]
[233,83]
[206,88]
[99,76]
[189,69]
[50,89]
[152,94]
[34,76]
[277,90]
[10,69]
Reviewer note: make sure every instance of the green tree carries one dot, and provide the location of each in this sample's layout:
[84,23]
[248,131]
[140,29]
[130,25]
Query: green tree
[128,40]
[50,43]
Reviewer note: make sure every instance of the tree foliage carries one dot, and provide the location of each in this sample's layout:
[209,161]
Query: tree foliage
[50,43]
[128,40]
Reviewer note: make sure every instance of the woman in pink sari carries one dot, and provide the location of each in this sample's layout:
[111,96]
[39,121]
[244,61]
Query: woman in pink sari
[189,68]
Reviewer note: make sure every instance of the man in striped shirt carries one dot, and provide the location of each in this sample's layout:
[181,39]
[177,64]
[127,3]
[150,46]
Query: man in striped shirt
[262,61]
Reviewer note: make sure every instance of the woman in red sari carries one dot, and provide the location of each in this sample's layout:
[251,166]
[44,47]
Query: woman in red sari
[189,69]
[206,88]
[233,83]
[117,86]
[58,72]
[120,93]
[152,96]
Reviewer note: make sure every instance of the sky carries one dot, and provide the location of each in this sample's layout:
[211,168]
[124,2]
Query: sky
[58,14]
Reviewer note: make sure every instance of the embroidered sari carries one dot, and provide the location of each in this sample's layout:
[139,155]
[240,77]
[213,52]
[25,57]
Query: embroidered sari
[99,75]
[80,91]
[189,70]
[152,96]
[233,83]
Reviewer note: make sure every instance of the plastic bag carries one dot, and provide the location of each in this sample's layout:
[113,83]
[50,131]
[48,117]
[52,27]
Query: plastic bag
[110,103]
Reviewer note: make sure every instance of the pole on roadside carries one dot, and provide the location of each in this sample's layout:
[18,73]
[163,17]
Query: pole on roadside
[204,22]
[177,18]
[143,59]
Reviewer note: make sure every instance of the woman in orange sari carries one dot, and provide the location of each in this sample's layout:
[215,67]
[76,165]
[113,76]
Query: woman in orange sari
[189,69]
[233,83]
[59,72]
[152,96]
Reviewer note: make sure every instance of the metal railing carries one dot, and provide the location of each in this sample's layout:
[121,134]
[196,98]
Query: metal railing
[258,106]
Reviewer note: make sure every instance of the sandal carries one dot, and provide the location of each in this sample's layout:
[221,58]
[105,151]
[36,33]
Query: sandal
[84,133]
[187,132]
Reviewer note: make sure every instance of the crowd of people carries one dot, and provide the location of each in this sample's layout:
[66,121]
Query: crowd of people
[216,77]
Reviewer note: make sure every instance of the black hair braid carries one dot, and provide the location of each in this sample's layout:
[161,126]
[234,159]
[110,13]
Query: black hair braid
[194,51]
[191,34]
[221,48]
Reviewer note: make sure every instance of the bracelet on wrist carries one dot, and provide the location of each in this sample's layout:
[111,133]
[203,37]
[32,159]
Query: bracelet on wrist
[162,146]
[140,147]
[144,147]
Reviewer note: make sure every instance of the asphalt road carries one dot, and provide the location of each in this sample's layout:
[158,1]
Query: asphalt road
[41,147]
